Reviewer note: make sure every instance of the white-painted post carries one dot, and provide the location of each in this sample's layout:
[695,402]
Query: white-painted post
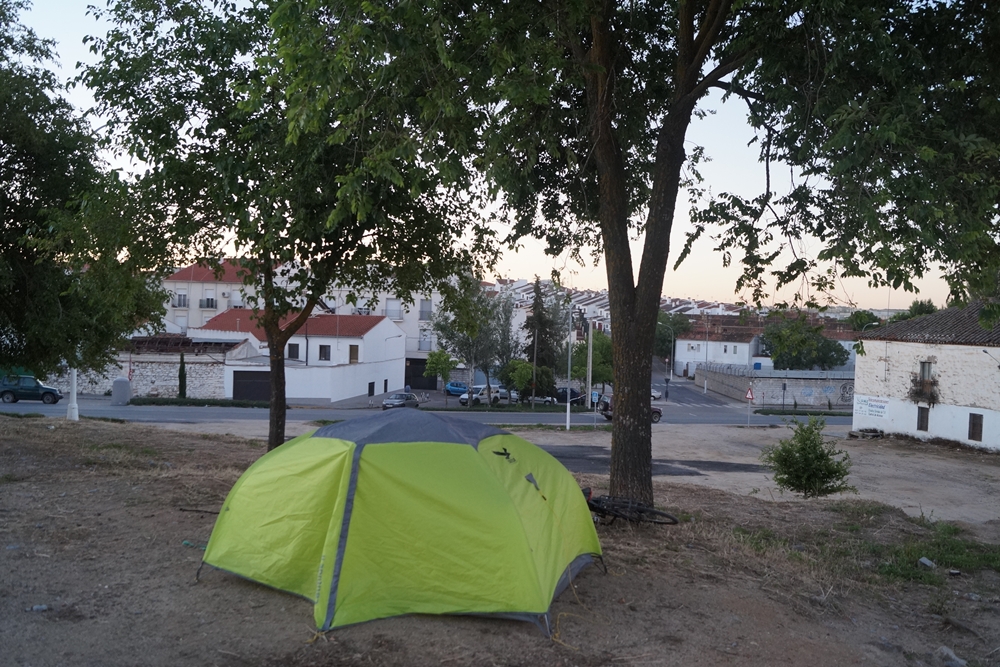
[590,359]
[569,359]
[72,410]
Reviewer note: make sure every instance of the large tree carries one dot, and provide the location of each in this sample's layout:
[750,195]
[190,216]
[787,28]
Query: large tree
[192,89]
[74,253]
[795,344]
[471,330]
[575,112]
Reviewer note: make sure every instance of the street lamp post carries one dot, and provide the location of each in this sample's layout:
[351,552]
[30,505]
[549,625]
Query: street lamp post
[672,340]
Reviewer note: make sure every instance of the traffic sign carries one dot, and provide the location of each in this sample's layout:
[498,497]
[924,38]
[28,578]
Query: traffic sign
[750,394]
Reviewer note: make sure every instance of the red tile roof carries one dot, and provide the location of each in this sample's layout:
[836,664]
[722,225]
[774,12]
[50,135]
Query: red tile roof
[203,272]
[337,326]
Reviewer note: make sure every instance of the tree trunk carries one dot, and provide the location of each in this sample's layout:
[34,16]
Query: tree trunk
[635,302]
[276,339]
[279,404]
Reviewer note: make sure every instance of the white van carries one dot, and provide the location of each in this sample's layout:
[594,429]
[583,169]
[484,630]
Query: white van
[479,394]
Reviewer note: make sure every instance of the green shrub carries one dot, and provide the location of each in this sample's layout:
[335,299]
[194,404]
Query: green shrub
[804,464]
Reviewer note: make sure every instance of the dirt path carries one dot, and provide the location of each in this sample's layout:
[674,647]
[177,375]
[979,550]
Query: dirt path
[101,526]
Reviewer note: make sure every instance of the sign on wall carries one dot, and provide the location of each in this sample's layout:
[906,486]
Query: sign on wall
[870,406]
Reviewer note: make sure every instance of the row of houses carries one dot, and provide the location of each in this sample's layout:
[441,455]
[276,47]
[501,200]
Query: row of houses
[914,370]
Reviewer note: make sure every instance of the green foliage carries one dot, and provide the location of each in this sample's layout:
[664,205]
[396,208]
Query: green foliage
[669,328]
[602,370]
[472,328]
[861,318]
[182,379]
[944,546]
[75,256]
[195,91]
[804,464]
[794,344]
[575,118]
[916,309]
[545,329]
[219,402]
[440,363]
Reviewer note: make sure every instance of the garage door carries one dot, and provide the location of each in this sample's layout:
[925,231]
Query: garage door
[251,385]
[415,375]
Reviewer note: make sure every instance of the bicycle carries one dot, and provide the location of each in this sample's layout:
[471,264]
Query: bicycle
[630,510]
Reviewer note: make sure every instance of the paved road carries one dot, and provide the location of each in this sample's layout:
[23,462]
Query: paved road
[686,405]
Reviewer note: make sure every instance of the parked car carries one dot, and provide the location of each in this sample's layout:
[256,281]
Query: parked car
[401,400]
[14,388]
[575,397]
[606,407]
[544,400]
[655,394]
[456,388]
[479,395]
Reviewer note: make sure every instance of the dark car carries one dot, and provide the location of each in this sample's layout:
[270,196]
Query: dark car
[456,388]
[400,400]
[606,408]
[14,388]
[575,397]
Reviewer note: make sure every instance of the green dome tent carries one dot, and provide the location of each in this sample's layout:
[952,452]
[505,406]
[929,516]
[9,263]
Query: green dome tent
[408,512]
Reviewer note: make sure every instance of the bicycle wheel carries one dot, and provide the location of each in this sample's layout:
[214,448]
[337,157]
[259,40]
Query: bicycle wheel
[638,513]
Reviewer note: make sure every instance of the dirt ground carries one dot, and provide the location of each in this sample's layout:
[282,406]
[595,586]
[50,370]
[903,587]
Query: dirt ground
[102,524]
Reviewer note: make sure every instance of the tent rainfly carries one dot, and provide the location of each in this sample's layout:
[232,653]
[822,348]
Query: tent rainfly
[408,512]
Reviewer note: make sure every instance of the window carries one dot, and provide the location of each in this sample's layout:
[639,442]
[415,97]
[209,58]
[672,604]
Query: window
[975,427]
[725,349]
[324,353]
[180,300]
[694,347]
[426,308]
[926,370]
[424,344]
[923,416]
[354,354]
[363,310]
[393,309]
[734,349]
[293,350]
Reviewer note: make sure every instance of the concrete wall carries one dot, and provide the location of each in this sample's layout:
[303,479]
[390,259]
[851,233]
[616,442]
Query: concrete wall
[967,382]
[690,352]
[153,375]
[815,389]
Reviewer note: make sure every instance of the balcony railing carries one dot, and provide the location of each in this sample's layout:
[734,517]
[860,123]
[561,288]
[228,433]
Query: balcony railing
[425,314]
[206,303]
[179,301]
[394,313]
[424,345]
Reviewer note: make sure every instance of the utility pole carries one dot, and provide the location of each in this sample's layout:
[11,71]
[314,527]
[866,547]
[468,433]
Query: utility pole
[590,360]
[569,358]
[534,368]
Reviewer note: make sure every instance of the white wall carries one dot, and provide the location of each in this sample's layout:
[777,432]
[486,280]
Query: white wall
[719,352]
[967,382]
[326,384]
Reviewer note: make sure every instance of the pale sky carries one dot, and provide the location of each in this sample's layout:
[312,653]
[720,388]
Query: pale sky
[733,168]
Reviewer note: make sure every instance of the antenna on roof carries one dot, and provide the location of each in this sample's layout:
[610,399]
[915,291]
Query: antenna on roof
[992,357]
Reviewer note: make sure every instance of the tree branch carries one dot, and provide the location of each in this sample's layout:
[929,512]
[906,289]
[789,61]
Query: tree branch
[738,90]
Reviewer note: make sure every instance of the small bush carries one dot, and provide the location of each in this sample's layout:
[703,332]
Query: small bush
[804,464]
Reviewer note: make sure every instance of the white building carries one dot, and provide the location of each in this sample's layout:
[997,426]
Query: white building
[197,294]
[936,376]
[330,358]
